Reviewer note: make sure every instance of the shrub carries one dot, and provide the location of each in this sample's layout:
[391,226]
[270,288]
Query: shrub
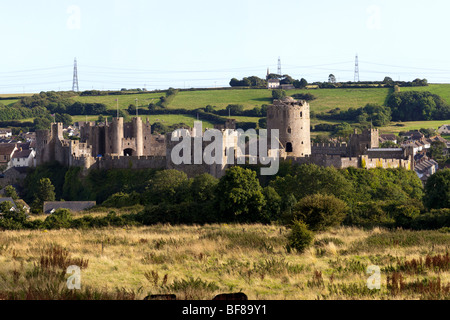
[320,212]
[300,237]
[61,218]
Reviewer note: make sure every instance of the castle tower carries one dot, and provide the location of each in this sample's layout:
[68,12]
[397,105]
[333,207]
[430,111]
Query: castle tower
[43,138]
[116,133]
[291,118]
[360,143]
[138,135]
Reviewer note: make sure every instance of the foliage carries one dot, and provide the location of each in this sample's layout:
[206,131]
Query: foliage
[418,106]
[300,237]
[60,219]
[278,94]
[240,196]
[437,190]
[11,192]
[320,212]
[45,192]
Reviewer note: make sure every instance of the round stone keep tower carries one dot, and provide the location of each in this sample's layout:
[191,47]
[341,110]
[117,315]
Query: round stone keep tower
[117,136]
[291,118]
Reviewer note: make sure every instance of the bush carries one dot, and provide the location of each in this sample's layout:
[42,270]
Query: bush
[300,237]
[320,212]
[121,199]
[61,218]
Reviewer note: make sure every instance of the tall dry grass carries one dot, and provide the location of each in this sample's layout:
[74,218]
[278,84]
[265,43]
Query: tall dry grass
[198,262]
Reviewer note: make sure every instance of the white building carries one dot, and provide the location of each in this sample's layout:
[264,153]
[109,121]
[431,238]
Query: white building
[23,158]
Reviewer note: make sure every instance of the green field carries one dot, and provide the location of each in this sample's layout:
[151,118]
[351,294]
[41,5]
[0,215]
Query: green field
[125,100]
[8,102]
[442,90]
[413,125]
[166,119]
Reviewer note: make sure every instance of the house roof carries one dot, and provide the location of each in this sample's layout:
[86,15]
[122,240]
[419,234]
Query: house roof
[7,148]
[425,165]
[391,137]
[22,154]
[273,80]
[75,206]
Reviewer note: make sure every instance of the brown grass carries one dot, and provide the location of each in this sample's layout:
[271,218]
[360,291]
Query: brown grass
[202,261]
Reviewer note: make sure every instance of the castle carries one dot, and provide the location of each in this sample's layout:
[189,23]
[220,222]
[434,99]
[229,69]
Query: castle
[132,145]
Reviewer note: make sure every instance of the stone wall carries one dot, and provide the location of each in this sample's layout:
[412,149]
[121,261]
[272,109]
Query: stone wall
[329,148]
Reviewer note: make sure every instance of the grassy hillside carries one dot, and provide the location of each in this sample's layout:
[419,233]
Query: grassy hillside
[413,125]
[442,90]
[124,100]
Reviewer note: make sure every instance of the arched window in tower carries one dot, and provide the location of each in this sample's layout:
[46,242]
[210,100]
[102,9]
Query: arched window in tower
[289,130]
[289,147]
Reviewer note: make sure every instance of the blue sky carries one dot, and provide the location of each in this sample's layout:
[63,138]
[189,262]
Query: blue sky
[197,43]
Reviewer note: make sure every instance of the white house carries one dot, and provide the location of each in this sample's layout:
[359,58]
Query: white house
[23,158]
[5,133]
[273,84]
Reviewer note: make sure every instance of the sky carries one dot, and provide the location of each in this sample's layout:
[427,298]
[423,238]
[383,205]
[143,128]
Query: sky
[204,43]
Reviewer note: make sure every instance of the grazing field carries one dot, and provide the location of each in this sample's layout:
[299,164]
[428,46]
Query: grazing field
[442,90]
[327,99]
[8,102]
[124,100]
[412,125]
[198,262]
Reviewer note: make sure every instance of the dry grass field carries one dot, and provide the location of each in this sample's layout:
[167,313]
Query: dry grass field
[198,262]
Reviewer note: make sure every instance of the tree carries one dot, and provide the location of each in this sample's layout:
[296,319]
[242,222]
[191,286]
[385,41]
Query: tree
[437,149]
[45,192]
[168,186]
[240,196]
[389,144]
[278,94]
[300,84]
[300,238]
[437,190]
[388,80]
[320,212]
[64,118]
[235,109]
[10,192]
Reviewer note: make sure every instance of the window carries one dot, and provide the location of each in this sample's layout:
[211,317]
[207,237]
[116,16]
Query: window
[289,130]
[301,114]
[289,147]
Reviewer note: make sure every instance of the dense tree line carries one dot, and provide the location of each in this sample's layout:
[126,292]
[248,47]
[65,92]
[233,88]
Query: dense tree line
[320,197]
[417,106]
[386,83]
[371,113]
